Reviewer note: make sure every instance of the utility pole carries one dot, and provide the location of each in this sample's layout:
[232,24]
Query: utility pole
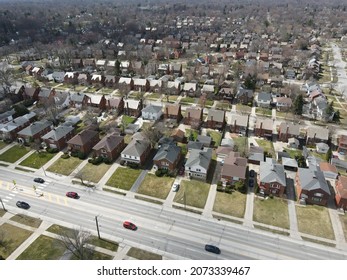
[3,206]
[97,226]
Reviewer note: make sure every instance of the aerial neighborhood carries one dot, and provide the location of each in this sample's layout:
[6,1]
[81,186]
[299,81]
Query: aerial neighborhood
[218,104]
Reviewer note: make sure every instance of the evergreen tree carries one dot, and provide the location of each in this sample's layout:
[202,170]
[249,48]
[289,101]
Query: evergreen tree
[298,104]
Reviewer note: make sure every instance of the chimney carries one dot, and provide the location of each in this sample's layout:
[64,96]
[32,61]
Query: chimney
[287,133]
[261,129]
[188,115]
[234,126]
[167,111]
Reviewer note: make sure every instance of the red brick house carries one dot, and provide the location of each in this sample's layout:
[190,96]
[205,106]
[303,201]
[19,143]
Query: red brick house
[288,130]
[341,192]
[111,81]
[234,169]
[133,107]
[9,130]
[34,131]
[141,85]
[193,117]
[167,157]
[30,93]
[71,78]
[263,128]
[58,136]
[109,147]
[79,100]
[98,80]
[84,79]
[126,84]
[342,144]
[173,111]
[98,101]
[272,178]
[116,104]
[84,141]
[46,96]
[215,119]
[239,124]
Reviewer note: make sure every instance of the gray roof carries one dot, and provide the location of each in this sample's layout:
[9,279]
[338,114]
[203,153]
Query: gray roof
[289,162]
[7,114]
[264,96]
[77,97]
[109,142]
[136,147]
[45,92]
[58,132]
[169,152]
[152,109]
[195,145]
[247,92]
[293,129]
[240,120]
[270,172]
[199,157]
[319,133]
[204,139]
[313,179]
[216,115]
[339,163]
[35,128]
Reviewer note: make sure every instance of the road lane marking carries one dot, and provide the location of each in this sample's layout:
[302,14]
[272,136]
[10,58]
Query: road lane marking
[58,201]
[49,197]
[5,200]
[8,186]
[65,201]
[12,194]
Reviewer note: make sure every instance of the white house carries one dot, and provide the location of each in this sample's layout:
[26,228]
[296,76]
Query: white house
[198,163]
[322,148]
[152,112]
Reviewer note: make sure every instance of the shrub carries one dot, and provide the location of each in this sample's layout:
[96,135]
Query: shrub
[52,150]
[220,188]
[74,153]
[133,165]
[65,156]
[95,160]
[158,173]
[107,161]
[81,155]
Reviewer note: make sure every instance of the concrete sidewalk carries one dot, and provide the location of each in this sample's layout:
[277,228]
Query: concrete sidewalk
[207,212]
[107,175]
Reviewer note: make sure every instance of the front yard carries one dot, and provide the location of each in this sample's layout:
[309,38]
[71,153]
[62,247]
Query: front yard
[188,100]
[156,186]
[192,193]
[314,220]
[14,154]
[243,109]
[65,166]
[123,178]
[93,173]
[273,212]
[343,220]
[233,204]
[37,160]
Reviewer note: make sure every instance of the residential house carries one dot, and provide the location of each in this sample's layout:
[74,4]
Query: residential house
[175,69]
[190,89]
[136,152]
[287,131]
[293,143]
[198,163]
[227,93]
[193,117]
[178,135]
[83,142]
[34,131]
[173,87]
[222,152]
[7,116]
[133,107]
[155,85]
[315,135]
[116,104]
[205,140]
[84,79]
[239,124]
[264,99]
[341,192]
[311,186]
[98,80]
[342,144]
[58,136]
[152,112]
[195,145]
[256,155]
[208,90]
[77,63]
[244,96]
[283,103]
[9,130]
[167,157]
[79,100]
[98,101]
[173,111]
[234,169]
[263,128]
[126,83]
[30,93]
[46,96]
[141,85]
[58,76]
[329,170]
[109,147]
[322,148]
[111,81]
[215,119]
[272,178]
[71,78]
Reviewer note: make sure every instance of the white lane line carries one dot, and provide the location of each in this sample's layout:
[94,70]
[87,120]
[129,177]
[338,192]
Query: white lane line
[11,194]
[5,200]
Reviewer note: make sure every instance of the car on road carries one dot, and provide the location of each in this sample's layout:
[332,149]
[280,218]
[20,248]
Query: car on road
[39,180]
[129,225]
[175,187]
[251,173]
[251,183]
[22,204]
[212,249]
[72,194]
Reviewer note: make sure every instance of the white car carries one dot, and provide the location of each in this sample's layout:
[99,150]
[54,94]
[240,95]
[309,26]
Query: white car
[175,187]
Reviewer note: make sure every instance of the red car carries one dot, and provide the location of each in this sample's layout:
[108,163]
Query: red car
[129,225]
[72,194]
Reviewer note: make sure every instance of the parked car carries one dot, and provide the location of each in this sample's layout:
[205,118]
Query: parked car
[39,180]
[72,194]
[175,187]
[251,183]
[251,173]
[212,249]
[181,171]
[129,225]
[23,205]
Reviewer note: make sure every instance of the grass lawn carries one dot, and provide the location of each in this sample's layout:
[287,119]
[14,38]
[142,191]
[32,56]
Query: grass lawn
[127,120]
[314,220]
[230,204]
[188,100]
[143,255]
[37,160]
[194,135]
[172,98]
[123,178]
[293,152]
[223,106]
[2,144]
[209,103]
[43,248]
[127,139]
[103,243]
[272,212]
[154,96]
[343,220]
[216,137]
[156,186]
[267,146]
[263,111]
[242,144]
[93,173]
[243,108]
[27,220]
[285,115]
[2,212]
[183,146]
[14,154]
[13,237]
[64,166]
[192,193]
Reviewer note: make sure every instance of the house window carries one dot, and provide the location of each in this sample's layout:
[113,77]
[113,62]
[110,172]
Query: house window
[198,170]
[316,199]
[103,151]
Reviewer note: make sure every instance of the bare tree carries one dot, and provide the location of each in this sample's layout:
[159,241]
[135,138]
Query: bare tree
[6,78]
[36,145]
[152,134]
[76,242]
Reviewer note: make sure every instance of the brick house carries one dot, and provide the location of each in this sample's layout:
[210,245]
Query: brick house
[234,169]
[215,119]
[111,81]
[239,124]
[46,96]
[342,144]
[136,152]
[84,141]
[34,131]
[71,78]
[311,187]
[288,130]
[272,178]
[9,130]
[115,103]
[109,147]
[125,83]
[173,111]
[133,107]
[79,100]
[141,85]
[317,135]
[341,192]
[30,93]
[193,116]
[84,79]
[98,101]
[167,157]
[263,128]
[98,80]
[58,136]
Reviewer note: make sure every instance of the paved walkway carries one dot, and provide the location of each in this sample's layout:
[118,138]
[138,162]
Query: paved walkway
[107,175]
[207,212]
[13,165]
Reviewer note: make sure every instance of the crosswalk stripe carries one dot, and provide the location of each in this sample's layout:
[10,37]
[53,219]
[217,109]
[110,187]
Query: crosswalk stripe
[5,200]
[58,201]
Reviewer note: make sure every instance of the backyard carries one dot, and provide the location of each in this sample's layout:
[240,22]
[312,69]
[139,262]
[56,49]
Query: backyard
[267,146]
[37,160]
[156,186]
[64,166]
[192,193]
[230,204]
[15,153]
[241,144]
[216,137]
[123,178]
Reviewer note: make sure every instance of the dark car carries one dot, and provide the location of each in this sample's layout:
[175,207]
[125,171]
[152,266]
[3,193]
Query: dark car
[251,173]
[23,205]
[72,194]
[39,180]
[129,225]
[181,171]
[212,249]
[251,183]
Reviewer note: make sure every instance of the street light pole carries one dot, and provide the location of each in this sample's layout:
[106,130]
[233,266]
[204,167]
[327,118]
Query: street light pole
[97,226]
[3,206]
